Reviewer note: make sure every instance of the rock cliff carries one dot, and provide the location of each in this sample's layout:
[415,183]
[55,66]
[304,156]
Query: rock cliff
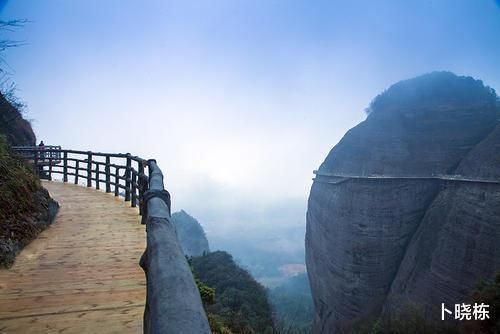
[375,245]
[190,234]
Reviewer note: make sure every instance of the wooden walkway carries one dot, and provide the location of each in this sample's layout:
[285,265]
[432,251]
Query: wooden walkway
[82,274]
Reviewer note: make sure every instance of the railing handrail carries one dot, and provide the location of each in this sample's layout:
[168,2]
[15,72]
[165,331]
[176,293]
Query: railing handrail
[173,303]
[27,147]
[165,264]
[54,148]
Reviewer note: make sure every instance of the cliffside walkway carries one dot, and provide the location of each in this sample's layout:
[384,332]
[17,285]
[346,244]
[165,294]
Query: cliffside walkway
[81,275]
[340,178]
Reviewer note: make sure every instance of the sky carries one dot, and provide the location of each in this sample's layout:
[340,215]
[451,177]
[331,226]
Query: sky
[238,100]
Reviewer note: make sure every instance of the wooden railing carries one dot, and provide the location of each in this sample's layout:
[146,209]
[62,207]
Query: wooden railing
[43,152]
[118,173]
[173,303]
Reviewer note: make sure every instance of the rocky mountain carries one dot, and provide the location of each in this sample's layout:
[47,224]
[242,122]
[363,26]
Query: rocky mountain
[190,234]
[373,245]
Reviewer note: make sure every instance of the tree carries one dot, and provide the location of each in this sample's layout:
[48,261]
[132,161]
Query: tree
[8,88]
[5,43]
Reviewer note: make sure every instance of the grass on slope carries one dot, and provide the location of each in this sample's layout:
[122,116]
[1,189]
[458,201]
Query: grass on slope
[23,205]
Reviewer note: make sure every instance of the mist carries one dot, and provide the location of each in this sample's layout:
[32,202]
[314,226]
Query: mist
[237,101]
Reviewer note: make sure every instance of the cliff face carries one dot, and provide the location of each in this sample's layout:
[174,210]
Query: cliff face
[374,245]
[457,242]
[190,234]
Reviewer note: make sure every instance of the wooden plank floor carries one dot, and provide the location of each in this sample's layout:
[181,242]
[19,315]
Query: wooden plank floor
[81,275]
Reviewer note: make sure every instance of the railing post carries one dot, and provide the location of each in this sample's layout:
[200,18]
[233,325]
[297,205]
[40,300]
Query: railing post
[108,174]
[97,186]
[50,167]
[65,167]
[134,189]
[117,181]
[35,162]
[143,182]
[89,169]
[127,178]
[77,171]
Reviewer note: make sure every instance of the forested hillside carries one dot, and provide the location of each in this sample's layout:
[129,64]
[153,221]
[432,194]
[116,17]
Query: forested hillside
[292,305]
[240,304]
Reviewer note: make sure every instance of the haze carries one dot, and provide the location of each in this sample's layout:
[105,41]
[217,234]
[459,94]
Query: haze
[237,100]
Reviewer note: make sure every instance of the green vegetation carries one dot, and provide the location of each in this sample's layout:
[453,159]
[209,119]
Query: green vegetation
[488,294]
[240,304]
[17,185]
[24,205]
[293,305]
[412,319]
[434,89]
[13,126]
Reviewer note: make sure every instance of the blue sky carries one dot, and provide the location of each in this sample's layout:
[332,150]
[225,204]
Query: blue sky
[238,100]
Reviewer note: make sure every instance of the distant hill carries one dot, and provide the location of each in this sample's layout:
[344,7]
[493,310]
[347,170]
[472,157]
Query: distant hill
[241,303]
[190,234]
